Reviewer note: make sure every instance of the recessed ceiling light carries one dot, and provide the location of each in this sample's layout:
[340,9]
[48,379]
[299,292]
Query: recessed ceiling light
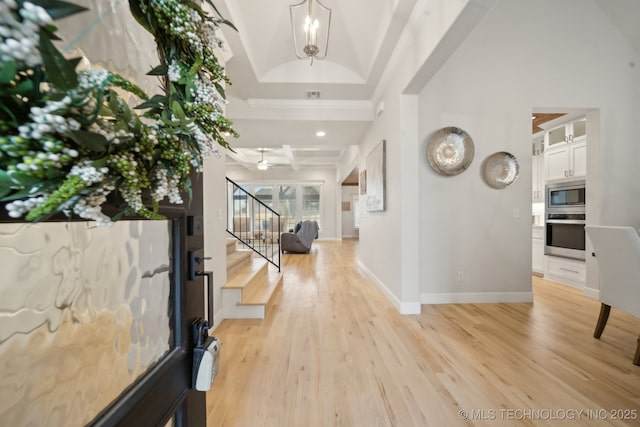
[321,133]
[533,117]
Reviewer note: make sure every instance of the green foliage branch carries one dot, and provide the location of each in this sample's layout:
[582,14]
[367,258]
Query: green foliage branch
[68,140]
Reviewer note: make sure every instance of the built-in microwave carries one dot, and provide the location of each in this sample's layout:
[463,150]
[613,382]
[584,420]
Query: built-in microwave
[566,197]
[565,218]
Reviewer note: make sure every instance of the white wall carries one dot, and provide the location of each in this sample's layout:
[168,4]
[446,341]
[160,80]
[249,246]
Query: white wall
[215,226]
[129,49]
[389,249]
[324,177]
[521,55]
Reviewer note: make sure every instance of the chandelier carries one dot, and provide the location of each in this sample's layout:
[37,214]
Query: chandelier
[310,22]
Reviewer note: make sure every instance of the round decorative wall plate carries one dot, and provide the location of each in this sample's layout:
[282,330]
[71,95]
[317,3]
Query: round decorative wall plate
[450,151]
[501,169]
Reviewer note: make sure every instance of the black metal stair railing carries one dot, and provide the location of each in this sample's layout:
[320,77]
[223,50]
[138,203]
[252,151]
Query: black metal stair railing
[253,223]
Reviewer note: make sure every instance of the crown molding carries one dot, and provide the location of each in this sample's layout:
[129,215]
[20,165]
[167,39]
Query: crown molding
[311,104]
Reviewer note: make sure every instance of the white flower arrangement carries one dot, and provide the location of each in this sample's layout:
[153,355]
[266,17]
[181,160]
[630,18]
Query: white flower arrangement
[68,141]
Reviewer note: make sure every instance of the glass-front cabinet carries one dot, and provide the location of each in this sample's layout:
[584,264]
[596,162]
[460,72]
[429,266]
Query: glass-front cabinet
[565,155]
[558,135]
[573,131]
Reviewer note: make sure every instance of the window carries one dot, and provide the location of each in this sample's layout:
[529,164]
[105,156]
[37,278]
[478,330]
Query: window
[311,202]
[294,202]
[264,194]
[240,202]
[287,204]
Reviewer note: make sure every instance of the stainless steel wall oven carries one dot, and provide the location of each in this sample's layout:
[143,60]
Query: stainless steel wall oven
[565,219]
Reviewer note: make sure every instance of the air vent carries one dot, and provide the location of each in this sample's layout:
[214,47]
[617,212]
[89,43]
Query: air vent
[313,94]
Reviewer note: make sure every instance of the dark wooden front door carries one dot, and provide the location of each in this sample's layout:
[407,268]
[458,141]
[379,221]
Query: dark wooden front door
[163,396]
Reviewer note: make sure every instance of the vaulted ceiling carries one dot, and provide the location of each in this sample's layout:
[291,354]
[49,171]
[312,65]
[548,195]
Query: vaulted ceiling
[269,101]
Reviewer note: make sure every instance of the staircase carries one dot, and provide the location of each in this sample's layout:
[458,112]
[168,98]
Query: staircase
[254,223]
[251,284]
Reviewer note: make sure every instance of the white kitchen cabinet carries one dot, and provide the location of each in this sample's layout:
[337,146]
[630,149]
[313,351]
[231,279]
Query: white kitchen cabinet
[537,250]
[537,169]
[564,270]
[572,131]
[558,135]
[565,154]
[537,144]
[578,158]
[537,178]
[556,163]
[566,161]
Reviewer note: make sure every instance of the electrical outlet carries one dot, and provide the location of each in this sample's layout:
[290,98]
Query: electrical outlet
[460,276]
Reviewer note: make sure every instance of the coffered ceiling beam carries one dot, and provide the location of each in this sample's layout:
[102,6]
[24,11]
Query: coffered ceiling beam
[292,158]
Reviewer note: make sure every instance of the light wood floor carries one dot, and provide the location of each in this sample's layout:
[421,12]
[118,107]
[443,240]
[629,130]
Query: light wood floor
[334,352]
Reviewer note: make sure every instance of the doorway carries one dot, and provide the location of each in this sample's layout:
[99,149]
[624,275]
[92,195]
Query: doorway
[559,157]
[350,206]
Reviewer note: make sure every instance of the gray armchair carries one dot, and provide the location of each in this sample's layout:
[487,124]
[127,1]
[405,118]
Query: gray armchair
[300,241]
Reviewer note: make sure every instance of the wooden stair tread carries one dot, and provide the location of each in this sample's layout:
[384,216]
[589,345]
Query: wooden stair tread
[231,246]
[244,275]
[262,292]
[251,283]
[237,257]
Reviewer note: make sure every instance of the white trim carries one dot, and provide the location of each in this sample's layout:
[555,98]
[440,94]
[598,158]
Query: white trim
[476,297]
[218,317]
[245,312]
[418,13]
[300,109]
[315,104]
[276,181]
[410,308]
[592,293]
[564,281]
[402,307]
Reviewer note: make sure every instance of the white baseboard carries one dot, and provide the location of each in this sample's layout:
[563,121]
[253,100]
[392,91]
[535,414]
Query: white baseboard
[231,309]
[592,293]
[245,312]
[410,308]
[218,317]
[476,297]
[402,307]
[565,281]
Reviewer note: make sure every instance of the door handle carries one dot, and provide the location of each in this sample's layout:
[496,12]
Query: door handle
[208,276]
[192,260]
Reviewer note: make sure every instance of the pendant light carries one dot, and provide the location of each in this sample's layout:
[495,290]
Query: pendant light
[310,23]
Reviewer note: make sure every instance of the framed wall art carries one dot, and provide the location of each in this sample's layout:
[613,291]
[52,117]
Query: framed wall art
[362,182]
[376,171]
